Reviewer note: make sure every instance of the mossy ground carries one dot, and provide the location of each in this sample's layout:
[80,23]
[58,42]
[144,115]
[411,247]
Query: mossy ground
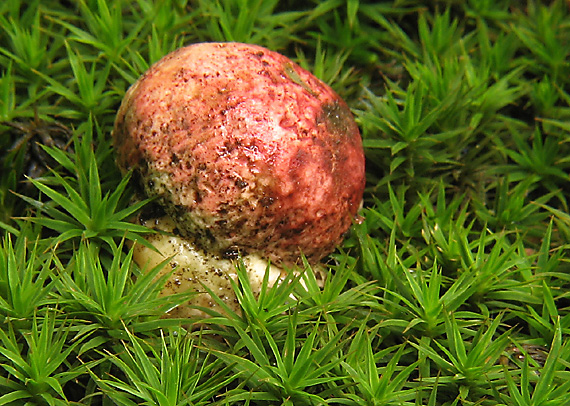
[453,290]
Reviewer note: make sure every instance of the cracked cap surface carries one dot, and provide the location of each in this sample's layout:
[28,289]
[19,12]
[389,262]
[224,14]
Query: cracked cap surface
[244,149]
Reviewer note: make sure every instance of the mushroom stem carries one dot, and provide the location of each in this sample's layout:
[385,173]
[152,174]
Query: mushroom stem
[192,268]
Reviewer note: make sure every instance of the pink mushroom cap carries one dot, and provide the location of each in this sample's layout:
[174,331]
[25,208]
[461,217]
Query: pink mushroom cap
[245,150]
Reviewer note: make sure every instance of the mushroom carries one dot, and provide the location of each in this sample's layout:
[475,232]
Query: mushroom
[248,155]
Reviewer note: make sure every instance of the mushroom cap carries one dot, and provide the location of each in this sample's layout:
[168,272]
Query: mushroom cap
[245,150]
